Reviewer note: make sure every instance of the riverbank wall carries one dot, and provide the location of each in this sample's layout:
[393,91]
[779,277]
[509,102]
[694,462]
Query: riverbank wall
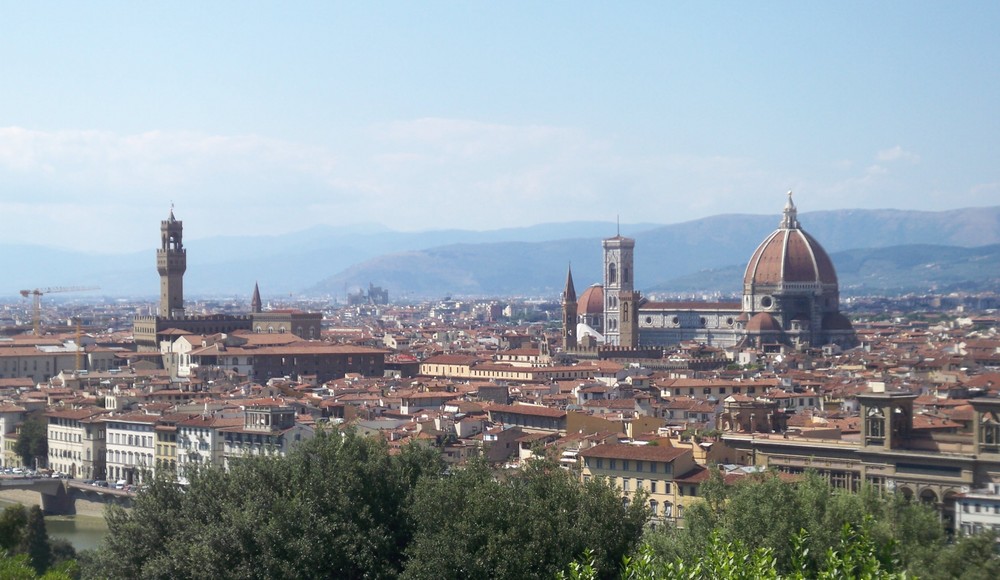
[27,497]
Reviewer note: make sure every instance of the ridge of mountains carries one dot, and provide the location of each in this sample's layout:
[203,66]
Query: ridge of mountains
[874,251]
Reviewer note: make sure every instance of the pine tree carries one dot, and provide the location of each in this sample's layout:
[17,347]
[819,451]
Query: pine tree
[35,542]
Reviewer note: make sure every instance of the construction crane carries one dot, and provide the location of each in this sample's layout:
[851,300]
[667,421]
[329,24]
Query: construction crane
[36,306]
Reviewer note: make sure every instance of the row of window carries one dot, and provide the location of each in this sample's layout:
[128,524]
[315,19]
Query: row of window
[129,458]
[64,436]
[65,453]
[626,465]
[133,440]
[978,508]
[169,450]
[626,483]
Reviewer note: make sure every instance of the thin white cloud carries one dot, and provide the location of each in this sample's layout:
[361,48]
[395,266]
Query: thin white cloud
[896,153]
[421,174]
[150,162]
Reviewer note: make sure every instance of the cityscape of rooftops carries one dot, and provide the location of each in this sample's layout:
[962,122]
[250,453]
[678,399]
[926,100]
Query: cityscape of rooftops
[520,290]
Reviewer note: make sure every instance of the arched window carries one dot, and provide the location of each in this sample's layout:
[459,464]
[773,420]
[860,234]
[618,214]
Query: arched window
[625,274]
[612,273]
[653,507]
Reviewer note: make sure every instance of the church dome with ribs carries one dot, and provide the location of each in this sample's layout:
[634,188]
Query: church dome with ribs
[789,255]
[591,301]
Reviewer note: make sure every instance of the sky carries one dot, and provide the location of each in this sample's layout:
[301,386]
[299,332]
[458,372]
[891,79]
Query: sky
[272,117]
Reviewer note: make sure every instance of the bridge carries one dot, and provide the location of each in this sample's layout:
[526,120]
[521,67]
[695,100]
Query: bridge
[59,496]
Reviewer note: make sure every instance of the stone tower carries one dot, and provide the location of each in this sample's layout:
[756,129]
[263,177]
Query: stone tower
[569,312]
[628,320]
[256,306]
[618,273]
[171,262]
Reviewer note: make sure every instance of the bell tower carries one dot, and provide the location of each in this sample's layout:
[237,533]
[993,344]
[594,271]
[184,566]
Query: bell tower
[569,312]
[171,262]
[617,280]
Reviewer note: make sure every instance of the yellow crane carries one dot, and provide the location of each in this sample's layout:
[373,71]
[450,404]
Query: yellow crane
[36,305]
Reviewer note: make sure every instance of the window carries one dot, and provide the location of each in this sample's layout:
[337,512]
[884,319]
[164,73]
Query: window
[638,465]
[625,465]
[625,484]
[652,486]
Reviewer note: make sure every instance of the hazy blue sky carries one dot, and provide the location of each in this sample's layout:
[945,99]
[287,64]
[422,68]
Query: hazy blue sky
[272,117]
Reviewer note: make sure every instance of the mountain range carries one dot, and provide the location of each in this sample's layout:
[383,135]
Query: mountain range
[873,250]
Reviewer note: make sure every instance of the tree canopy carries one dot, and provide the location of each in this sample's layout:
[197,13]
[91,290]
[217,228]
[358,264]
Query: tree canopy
[27,551]
[341,505]
[33,441]
[767,513]
[528,524]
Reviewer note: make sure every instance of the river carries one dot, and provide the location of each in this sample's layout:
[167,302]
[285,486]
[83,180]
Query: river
[84,532]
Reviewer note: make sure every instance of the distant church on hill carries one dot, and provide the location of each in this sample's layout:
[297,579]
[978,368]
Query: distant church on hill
[791,298]
[171,263]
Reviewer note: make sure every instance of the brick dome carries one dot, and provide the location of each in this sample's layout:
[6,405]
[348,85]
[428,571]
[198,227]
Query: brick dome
[789,255]
[591,302]
[762,322]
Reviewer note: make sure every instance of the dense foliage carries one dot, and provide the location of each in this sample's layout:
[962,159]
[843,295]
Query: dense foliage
[334,508]
[767,513]
[342,506]
[530,524]
[854,556]
[26,551]
[33,442]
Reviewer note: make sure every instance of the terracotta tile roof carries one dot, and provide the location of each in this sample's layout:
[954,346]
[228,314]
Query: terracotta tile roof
[637,452]
[534,410]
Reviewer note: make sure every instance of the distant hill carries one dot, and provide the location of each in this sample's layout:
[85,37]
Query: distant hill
[896,269]
[663,254]
[529,261]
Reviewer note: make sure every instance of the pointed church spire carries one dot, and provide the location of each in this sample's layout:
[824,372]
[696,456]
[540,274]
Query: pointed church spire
[790,221]
[569,294]
[255,304]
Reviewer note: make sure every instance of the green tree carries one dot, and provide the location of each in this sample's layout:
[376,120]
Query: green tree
[334,508]
[12,522]
[855,555]
[529,524]
[33,441]
[35,541]
[765,512]
[19,568]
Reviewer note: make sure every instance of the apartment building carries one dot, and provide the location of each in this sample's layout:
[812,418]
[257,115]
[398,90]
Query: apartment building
[76,440]
[667,474]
